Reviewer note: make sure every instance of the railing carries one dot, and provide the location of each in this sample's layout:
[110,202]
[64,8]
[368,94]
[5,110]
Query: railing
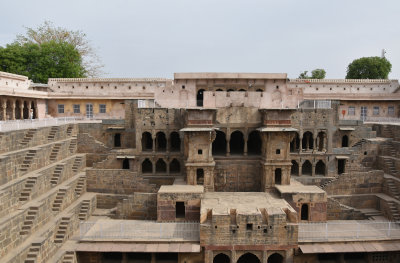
[351,230]
[381,119]
[315,104]
[137,230]
[34,123]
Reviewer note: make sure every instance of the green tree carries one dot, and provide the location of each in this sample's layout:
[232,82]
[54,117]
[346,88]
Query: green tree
[39,62]
[369,68]
[47,32]
[315,74]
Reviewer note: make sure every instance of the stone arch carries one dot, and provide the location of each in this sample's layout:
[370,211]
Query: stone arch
[321,141]
[218,90]
[345,141]
[295,143]
[275,258]
[236,143]
[221,258]
[174,166]
[294,170]
[161,142]
[200,97]
[306,168]
[147,166]
[248,258]
[175,142]
[254,143]
[320,168]
[147,141]
[307,141]
[161,166]
[219,144]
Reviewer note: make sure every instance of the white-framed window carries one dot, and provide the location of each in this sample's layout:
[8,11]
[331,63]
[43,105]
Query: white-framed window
[102,108]
[60,108]
[77,108]
[141,104]
[352,110]
[375,110]
[391,110]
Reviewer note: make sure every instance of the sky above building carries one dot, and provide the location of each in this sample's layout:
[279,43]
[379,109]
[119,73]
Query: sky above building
[157,38]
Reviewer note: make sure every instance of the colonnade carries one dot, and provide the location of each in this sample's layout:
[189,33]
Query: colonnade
[17,109]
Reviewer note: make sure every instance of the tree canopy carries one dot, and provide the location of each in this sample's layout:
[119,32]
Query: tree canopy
[39,62]
[369,68]
[315,74]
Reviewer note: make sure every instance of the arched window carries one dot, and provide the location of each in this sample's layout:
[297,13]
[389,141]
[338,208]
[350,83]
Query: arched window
[306,168]
[236,143]
[161,142]
[200,97]
[219,144]
[275,258]
[320,168]
[175,142]
[125,164]
[259,90]
[175,166]
[307,142]
[200,176]
[345,141]
[117,140]
[248,258]
[219,90]
[278,176]
[161,166]
[304,212]
[295,144]
[221,258]
[254,144]
[321,136]
[147,166]
[147,142]
[229,90]
[294,170]
[242,90]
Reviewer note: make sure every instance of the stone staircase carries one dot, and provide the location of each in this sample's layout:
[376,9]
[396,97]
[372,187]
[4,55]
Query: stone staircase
[52,133]
[394,211]
[83,212]
[33,253]
[62,230]
[28,137]
[59,200]
[54,151]
[26,163]
[77,162]
[388,148]
[387,132]
[26,192]
[32,213]
[80,186]
[69,257]
[72,145]
[326,183]
[57,174]
[394,191]
[390,166]
[359,143]
[69,130]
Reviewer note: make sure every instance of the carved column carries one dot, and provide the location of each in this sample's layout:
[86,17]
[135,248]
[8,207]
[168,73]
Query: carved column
[153,136]
[4,107]
[12,117]
[300,167]
[153,166]
[307,142]
[301,144]
[315,148]
[313,169]
[324,142]
[245,146]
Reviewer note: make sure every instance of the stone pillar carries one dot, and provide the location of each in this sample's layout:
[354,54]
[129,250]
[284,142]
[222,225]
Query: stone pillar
[168,146]
[153,136]
[315,148]
[228,149]
[167,164]
[324,139]
[153,165]
[313,169]
[300,166]
[181,137]
[153,258]
[245,146]
[4,107]
[12,117]
[301,144]
[21,110]
[307,142]
[124,258]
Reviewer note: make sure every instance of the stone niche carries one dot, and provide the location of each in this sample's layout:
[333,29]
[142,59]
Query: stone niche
[196,117]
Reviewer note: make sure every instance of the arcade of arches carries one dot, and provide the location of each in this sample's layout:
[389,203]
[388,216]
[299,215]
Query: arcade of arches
[308,141]
[247,258]
[160,142]
[237,144]
[308,168]
[159,166]
[17,109]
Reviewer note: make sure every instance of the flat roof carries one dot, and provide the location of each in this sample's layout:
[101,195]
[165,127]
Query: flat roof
[216,75]
[139,247]
[297,187]
[179,188]
[347,247]
[277,129]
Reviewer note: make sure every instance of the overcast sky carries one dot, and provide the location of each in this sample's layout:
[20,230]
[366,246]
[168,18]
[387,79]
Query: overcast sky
[157,38]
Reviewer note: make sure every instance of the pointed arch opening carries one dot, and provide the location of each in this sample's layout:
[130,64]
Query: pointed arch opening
[147,166]
[221,258]
[306,169]
[295,143]
[321,141]
[219,144]
[236,143]
[174,166]
[161,166]
[275,258]
[161,142]
[248,258]
[147,141]
[307,142]
[294,170]
[175,142]
[320,168]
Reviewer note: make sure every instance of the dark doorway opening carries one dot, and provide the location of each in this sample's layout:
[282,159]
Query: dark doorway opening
[200,176]
[345,141]
[320,168]
[147,166]
[161,166]
[167,257]
[341,166]
[221,258]
[175,142]
[295,143]
[306,168]
[236,143]
[248,258]
[254,144]
[180,209]
[200,97]
[219,144]
[307,142]
[17,110]
[111,257]
[321,141]
[26,110]
[125,164]
[147,142]
[161,142]
[294,170]
[275,258]
[139,257]
[278,176]
[304,212]
[174,166]
[117,140]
